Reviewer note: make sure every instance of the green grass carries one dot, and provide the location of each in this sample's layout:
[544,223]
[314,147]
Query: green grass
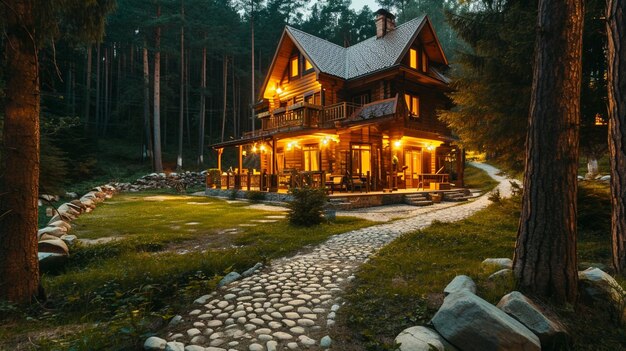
[403,285]
[476,178]
[131,286]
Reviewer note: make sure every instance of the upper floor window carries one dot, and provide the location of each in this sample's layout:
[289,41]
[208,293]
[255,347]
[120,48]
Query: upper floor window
[361,99]
[413,104]
[424,61]
[413,58]
[307,66]
[294,69]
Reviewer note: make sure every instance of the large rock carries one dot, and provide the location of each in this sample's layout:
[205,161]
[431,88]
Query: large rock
[471,323]
[551,333]
[153,344]
[250,271]
[498,262]
[54,246]
[61,224]
[54,231]
[460,282]
[422,339]
[67,208]
[229,278]
[51,261]
[597,286]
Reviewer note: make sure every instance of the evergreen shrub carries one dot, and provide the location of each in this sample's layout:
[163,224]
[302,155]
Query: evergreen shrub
[307,206]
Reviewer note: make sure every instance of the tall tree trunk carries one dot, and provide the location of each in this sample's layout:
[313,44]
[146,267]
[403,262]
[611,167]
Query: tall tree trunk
[545,252]
[107,68]
[253,98]
[179,158]
[234,98]
[98,105]
[201,116]
[187,80]
[19,265]
[147,153]
[616,30]
[87,97]
[158,163]
[225,80]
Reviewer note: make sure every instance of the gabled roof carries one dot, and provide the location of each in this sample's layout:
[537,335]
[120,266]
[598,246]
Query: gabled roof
[368,56]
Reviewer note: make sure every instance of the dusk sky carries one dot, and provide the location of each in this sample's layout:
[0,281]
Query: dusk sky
[358,4]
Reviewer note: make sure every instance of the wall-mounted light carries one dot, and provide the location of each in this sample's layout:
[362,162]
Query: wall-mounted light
[430,147]
[279,90]
[244,153]
[254,149]
[262,147]
[397,144]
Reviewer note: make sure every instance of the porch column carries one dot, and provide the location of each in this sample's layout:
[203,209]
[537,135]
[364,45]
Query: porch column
[240,159]
[219,159]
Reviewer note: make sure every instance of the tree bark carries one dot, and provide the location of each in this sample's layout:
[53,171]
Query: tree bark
[146,104]
[225,81]
[87,97]
[616,31]
[179,158]
[202,108]
[158,163]
[98,105]
[19,265]
[545,253]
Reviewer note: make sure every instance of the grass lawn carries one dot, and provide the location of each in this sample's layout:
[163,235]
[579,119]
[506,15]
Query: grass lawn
[476,178]
[171,250]
[403,285]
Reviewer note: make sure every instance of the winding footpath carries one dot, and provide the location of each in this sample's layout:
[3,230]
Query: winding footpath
[291,304]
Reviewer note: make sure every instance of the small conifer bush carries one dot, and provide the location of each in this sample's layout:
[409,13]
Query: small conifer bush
[307,206]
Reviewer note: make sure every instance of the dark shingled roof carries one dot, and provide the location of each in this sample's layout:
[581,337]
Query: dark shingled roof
[377,109]
[366,57]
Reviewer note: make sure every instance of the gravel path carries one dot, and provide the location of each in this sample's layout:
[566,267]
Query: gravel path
[291,304]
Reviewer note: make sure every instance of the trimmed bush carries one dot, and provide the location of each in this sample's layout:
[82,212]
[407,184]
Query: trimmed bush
[307,206]
[255,196]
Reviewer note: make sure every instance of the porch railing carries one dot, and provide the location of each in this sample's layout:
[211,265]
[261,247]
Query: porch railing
[304,115]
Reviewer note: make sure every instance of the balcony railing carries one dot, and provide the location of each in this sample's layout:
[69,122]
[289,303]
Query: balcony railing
[305,115]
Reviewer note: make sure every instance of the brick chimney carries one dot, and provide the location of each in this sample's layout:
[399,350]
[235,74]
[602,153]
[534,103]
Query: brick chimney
[385,22]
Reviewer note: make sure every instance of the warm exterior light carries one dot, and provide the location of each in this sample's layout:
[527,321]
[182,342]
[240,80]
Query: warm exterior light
[429,147]
[244,153]
[254,149]
[279,90]
[325,141]
[262,147]
[397,143]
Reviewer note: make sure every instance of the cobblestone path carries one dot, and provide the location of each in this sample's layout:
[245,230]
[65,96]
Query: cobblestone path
[291,304]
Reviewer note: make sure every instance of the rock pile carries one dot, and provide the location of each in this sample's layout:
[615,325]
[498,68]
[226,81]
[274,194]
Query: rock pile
[54,239]
[466,322]
[179,181]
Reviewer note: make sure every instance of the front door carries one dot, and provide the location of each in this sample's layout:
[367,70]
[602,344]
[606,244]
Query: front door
[413,162]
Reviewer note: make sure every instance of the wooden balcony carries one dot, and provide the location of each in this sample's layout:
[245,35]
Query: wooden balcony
[304,115]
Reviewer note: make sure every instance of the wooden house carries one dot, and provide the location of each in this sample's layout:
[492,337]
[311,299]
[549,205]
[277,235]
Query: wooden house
[363,115]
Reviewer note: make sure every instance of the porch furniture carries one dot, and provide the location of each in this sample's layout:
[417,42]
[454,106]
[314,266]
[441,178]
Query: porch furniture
[335,181]
[356,181]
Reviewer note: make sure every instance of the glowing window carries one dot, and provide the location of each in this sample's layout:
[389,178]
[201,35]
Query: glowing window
[295,69]
[413,58]
[413,104]
[361,159]
[311,157]
[307,65]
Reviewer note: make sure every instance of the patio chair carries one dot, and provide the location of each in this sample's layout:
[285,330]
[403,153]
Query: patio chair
[356,181]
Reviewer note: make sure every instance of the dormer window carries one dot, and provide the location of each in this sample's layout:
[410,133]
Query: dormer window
[413,58]
[294,69]
[307,66]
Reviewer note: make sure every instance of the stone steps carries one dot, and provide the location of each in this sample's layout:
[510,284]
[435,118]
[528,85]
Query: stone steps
[417,200]
[456,196]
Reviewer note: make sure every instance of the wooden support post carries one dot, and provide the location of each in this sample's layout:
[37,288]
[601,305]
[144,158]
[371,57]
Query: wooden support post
[219,159]
[249,179]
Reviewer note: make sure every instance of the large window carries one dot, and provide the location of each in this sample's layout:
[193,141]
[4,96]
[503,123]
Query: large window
[294,67]
[311,154]
[361,159]
[413,104]
[413,58]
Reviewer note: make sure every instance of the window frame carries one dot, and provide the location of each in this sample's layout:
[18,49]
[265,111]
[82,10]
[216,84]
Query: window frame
[296,66]
[315,150]
[305,70]
[409,100]
[413,58]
